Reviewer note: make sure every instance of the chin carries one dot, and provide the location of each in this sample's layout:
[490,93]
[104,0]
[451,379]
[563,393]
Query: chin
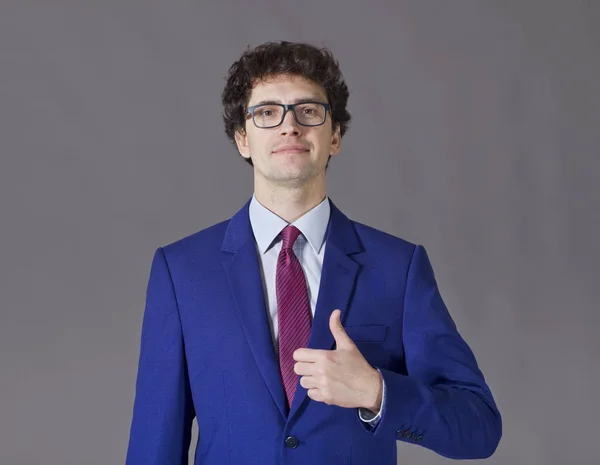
[300,175]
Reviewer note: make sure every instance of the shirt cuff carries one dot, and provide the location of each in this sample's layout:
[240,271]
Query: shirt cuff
[369,417]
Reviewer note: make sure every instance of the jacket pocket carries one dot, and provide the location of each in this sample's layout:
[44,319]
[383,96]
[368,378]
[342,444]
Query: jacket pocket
[367,333]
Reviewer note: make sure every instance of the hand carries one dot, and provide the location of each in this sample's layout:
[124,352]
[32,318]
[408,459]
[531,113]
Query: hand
[339,377]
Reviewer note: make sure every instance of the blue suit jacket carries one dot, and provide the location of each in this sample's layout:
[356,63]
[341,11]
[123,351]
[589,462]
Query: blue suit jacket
[206,352]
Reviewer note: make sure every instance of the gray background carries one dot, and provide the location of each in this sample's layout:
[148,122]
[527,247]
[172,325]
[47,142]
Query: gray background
[475,133]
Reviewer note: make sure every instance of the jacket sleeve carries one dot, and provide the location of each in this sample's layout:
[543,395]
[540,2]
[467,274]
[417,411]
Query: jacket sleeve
[444,404]
[163,411]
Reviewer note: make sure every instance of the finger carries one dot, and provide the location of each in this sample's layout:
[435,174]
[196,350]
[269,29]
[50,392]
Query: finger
[308,382]
[304,368]
[309,355]
[342,340]
[319,395]
[314,394]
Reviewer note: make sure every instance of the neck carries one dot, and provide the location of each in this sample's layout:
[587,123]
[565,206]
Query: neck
[290,203]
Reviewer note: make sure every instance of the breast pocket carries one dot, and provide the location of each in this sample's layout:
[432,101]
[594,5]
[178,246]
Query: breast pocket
[367,333]
[371,342]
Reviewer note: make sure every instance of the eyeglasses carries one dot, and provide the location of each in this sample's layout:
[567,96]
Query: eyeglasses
[270,115]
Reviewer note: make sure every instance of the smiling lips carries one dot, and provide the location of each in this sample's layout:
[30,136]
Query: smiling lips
[290,148]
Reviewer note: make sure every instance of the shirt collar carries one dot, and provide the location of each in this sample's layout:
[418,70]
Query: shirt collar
[266,225]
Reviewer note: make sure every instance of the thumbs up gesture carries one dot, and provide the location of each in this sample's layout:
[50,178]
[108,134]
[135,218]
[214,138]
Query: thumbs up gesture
[339,377]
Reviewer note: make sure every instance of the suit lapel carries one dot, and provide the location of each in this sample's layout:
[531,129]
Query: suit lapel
[243,271]
[338,279]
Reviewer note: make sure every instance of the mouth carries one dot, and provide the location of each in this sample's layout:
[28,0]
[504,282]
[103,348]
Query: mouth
[290,150]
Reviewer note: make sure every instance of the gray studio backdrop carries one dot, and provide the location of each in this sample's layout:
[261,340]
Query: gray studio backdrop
[475,133]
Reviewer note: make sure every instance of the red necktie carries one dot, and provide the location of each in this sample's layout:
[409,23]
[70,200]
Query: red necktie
[293,309]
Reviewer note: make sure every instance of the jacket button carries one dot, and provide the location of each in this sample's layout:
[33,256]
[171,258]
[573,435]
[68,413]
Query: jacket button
[400,433]
[291,442]
[420,437]
[406,434]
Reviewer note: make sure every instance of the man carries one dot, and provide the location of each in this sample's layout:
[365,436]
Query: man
[293,334]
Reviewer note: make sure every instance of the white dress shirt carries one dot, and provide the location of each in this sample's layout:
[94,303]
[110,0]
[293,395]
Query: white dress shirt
[309,248]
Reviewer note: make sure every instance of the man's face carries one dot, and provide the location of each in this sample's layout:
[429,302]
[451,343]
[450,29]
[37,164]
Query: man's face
[289,154]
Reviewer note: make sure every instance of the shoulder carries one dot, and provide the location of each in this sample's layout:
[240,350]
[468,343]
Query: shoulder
[373,238]
[201,243]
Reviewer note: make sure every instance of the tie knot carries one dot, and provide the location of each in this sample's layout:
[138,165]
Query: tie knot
[289,235]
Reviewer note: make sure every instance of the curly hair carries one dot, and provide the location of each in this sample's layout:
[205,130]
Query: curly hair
[274,58]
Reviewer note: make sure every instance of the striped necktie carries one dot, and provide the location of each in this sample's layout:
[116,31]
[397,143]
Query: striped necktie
[293,309]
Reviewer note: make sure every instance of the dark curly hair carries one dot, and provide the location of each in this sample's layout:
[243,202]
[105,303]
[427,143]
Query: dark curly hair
[274,58]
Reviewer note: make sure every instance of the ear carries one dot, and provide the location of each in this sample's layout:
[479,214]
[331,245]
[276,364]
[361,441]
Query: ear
[241,140]
[336,140]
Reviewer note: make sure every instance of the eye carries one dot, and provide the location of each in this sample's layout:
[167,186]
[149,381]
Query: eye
[267,111]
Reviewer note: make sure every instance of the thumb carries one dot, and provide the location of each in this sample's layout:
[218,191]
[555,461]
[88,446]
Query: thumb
[342,340]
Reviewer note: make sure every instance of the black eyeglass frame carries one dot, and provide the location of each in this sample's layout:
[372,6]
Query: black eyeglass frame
[286,107]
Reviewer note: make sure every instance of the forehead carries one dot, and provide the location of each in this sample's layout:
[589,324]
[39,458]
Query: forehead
[285,88]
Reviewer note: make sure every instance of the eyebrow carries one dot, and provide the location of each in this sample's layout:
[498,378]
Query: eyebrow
[299,100]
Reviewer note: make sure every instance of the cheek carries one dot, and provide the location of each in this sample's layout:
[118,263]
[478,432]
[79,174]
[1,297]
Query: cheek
[259,143]
[324,142]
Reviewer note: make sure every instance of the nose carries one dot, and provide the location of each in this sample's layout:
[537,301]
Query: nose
[289,125]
